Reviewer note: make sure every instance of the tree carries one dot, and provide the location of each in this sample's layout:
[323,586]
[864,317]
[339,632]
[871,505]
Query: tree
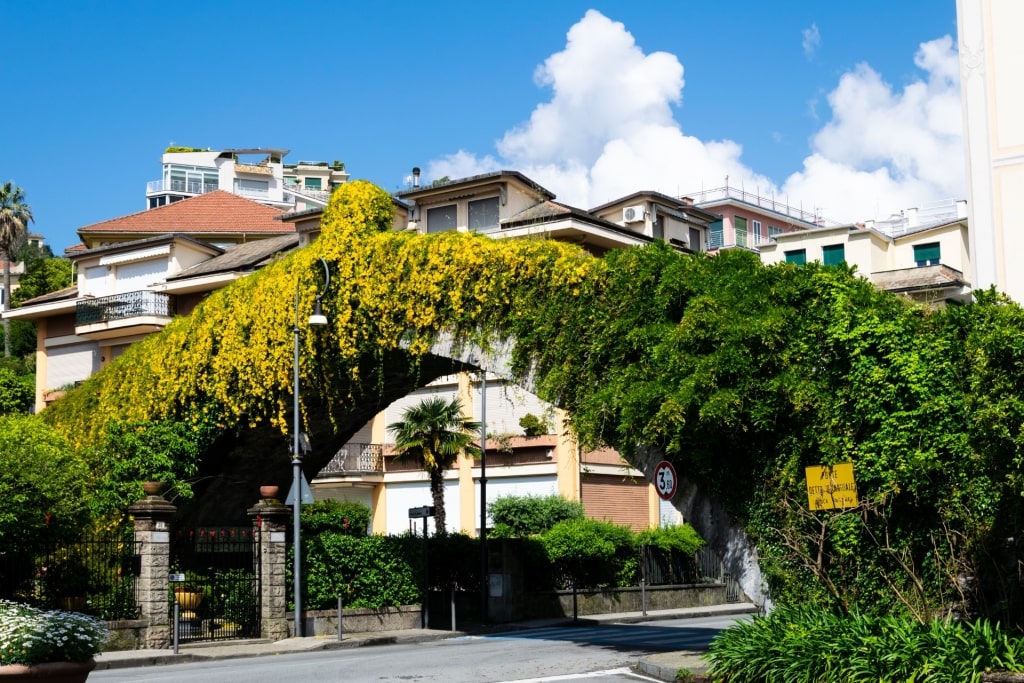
[42,275]
[434,433]
[15,215]
[43,485]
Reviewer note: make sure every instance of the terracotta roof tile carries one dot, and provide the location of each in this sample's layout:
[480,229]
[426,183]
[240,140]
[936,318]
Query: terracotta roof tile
[217,211]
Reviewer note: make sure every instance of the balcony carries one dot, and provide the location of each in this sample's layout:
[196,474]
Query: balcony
[183,186]
[355,458]
[123,314]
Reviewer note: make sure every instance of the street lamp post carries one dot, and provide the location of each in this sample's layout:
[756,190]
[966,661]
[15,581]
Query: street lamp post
[318,318]
[483,496]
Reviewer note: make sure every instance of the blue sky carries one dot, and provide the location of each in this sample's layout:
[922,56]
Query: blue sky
[851,108]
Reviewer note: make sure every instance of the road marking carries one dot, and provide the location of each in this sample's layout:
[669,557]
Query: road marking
[622,671]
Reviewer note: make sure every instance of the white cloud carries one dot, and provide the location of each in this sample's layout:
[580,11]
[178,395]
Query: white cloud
[811,41]
[888,149]
[608,130]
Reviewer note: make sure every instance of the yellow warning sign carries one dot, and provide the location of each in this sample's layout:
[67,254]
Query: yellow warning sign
[831,487]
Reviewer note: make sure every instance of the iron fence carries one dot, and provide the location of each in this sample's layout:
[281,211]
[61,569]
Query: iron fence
[95,574]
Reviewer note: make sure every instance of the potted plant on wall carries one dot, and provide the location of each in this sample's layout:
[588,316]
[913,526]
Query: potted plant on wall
[54,645]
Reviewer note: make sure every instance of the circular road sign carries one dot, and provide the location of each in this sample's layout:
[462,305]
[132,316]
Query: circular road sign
[665,479]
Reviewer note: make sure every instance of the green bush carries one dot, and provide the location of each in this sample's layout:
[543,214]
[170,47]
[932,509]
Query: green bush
[521,516]
[677,538]
[588,553]
[809,644]
[369,571]
[534,426]
[42,486]
[132,453]
[336,516]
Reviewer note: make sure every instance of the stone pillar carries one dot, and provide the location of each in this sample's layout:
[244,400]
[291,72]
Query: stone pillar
[270,520]
[152,531]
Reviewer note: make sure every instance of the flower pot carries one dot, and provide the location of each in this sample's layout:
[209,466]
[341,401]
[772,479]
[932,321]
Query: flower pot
[52,672]
[75,603]
[152,488]
[268,492]
[187,599]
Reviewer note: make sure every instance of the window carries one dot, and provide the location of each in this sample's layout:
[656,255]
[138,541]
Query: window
[312,183]
[695,244]
[926,254]
[755,227]
[483,214]
[252,188]
[774,231]
[797,257]
[740,226]
[441,218]
[715,230]
[833,255]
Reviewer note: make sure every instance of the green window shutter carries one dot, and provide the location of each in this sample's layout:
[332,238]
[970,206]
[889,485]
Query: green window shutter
[833,255]
[797,257]
[739,225]
[927,254]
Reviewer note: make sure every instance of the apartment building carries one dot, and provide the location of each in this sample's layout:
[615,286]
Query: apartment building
[259,174]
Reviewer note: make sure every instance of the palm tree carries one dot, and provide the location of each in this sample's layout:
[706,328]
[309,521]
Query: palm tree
[15,215]
[434,433]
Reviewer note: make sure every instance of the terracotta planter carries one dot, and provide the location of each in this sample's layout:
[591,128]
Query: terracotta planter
[52,672]
[76,603]
[152,488]
[269,492]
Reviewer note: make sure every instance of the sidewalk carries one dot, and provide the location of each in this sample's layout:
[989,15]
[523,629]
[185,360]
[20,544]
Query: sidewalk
[661,665]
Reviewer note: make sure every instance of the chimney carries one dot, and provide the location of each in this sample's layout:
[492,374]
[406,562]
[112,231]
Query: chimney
[961,208]
[912,221]
[415,176]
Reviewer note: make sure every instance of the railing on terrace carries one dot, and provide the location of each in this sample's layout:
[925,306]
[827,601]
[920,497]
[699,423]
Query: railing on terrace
[190,187]
[120,306]
[321,195]
[755,199]
[95,574]
[932,213]
[355,458]
[717,241]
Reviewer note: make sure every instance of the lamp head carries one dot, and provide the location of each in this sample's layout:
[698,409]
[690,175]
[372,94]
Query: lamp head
[318,317]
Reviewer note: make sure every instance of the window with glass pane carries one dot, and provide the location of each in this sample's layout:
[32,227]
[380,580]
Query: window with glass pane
[740,226]
[755,227]
[927,254]
[833,254]
[797,257]
[483,214]
[312,183]
[774,231]
[716,235]
[441,218]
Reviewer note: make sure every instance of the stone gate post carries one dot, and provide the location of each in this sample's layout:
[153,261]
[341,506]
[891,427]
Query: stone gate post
[152,532]
[270,520]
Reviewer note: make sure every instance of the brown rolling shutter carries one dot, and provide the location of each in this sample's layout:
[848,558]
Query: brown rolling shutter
[616,498]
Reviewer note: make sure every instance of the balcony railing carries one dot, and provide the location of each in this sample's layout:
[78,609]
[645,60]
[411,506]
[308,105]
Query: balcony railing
[186,186]
[355,458]
[756,199]
[120,306]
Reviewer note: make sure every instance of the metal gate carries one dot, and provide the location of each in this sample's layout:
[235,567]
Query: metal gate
[218,586]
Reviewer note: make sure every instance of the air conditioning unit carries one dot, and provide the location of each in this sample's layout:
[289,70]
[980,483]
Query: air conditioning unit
[633,214]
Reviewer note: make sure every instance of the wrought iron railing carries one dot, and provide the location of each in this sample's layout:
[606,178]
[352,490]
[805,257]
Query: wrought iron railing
[95,574]
[120,306]
[355,457]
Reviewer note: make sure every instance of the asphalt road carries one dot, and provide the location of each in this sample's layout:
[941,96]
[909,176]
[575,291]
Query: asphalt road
[602,653]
